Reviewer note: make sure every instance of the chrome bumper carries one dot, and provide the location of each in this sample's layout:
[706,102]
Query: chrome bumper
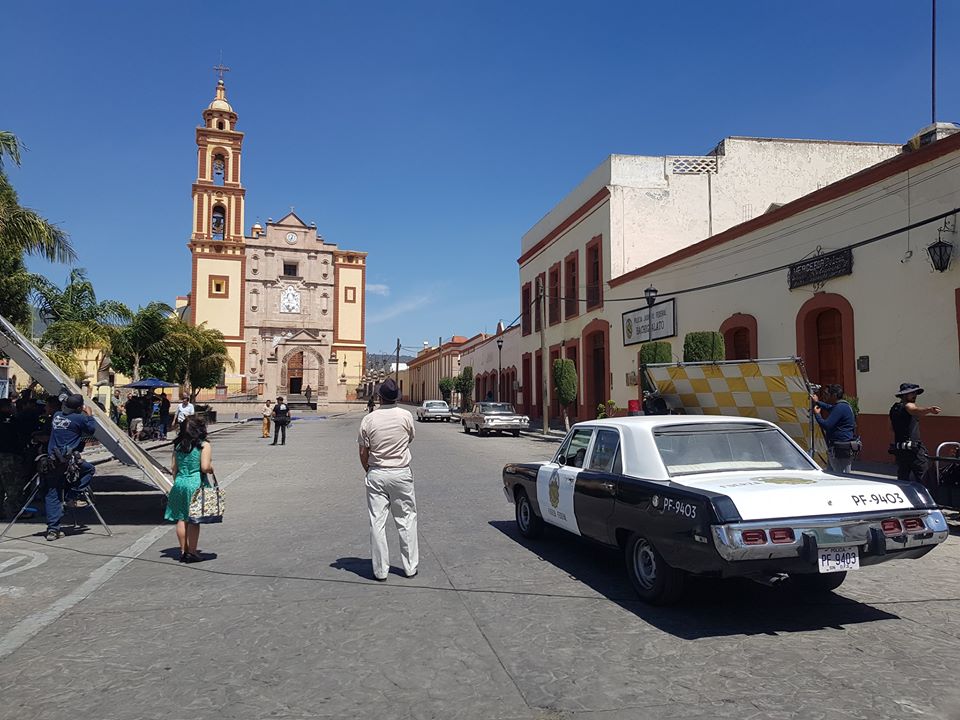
[818,532]
[506,426]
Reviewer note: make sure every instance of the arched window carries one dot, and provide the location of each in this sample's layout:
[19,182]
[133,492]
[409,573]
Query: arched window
[219,169]
[218,223]
[740,337]
[219,124]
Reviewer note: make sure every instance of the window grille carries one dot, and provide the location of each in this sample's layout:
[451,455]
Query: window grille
[693,165]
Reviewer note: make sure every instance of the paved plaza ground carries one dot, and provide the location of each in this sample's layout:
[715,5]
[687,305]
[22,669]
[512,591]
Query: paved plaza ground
[284,619]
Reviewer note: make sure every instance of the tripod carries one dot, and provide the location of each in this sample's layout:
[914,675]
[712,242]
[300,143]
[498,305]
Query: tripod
[36,482]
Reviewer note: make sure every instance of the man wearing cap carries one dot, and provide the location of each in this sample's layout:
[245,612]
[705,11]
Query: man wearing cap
[385,437]
[68,430]
[907,448]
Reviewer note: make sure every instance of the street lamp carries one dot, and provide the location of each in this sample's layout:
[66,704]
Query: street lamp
[499,365]
[940,253]
[651,295]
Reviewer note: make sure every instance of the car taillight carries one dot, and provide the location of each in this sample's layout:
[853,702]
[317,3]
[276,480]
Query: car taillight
[913,524]
[782,535]
[754,537]
[891,526]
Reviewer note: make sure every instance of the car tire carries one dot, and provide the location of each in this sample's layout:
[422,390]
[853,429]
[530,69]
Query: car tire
[652,578]
[818,584]
[516,433]
[529,523]
[466,429]
[481,432]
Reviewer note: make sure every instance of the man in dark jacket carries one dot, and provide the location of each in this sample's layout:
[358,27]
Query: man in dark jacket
[839,428]
[68,431]
[281,418]
[907,448]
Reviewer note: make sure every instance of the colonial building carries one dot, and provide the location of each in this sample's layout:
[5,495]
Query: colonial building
[631,211]
[289,304]
[495,362]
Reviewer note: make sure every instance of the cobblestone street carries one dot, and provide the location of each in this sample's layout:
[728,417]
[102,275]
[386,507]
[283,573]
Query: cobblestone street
[284,620]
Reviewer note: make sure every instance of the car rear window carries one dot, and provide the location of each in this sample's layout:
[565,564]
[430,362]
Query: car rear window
[437,405]
[497,408]
[691,449]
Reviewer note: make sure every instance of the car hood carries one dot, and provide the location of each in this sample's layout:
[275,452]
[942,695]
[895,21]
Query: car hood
[762,495]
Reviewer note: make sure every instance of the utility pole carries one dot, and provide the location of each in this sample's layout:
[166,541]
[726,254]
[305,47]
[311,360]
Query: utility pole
[396,368]
[541,316]
[933,62]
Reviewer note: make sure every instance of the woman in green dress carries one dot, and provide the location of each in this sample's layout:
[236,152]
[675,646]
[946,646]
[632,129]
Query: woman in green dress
[191,457]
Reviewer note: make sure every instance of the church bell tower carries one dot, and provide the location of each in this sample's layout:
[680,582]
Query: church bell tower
[216,242]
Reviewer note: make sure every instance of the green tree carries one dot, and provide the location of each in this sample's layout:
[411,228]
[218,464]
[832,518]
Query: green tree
[464,385]
[703,346]
[145,341]
[197,357]
[77,321]
[565,385]
[22,232]
[447,386]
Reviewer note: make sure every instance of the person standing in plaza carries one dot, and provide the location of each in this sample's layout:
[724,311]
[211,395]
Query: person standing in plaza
[281,418]
[384,439]
[308,393]
[907,447]
[266,411]
[839,428]
[164,413]
[184,410]
[69,429]
[192,456]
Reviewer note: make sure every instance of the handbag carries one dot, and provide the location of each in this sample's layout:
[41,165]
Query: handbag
[207,503]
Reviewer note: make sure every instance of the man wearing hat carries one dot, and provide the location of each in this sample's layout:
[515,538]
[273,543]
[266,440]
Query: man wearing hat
[68,430]
[905,416]
[385,437]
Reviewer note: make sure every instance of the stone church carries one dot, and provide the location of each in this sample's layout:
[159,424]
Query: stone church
[290,305]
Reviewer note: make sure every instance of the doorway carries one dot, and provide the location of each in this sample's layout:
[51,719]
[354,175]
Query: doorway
[829,347]
[295,374]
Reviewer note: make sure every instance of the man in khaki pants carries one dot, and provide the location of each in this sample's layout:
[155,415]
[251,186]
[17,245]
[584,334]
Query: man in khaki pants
[385,437]
[267,412]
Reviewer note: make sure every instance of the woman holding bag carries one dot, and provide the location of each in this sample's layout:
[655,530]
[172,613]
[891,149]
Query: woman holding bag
[191,456]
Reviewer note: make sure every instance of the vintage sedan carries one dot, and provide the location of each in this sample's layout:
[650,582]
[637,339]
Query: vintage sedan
[720,497]
[490,417]
[434,410]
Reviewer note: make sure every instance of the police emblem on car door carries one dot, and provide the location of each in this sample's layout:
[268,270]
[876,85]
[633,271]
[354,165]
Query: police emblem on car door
[557,481]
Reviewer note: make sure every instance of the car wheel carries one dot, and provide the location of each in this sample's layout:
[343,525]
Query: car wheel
[652,579]
[516,433]
[819,583]
[466,429]
[481,432]
[528,522]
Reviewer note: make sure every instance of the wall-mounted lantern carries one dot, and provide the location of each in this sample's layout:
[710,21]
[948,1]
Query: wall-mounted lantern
[940,253]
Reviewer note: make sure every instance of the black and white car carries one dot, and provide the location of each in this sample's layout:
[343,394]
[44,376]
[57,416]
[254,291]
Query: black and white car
[720,497]
[434,410]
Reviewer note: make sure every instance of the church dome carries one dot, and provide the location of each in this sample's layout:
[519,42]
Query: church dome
[220,101]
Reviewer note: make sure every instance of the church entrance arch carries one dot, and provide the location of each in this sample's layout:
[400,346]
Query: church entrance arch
[299,368]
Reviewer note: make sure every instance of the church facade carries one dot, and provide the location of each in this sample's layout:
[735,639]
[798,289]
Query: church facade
[290,305]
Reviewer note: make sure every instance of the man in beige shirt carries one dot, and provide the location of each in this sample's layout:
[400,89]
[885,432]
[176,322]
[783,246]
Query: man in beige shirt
[385,437]
[267,412]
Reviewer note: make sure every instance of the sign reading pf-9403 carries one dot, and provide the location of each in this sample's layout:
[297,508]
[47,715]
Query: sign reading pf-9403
[653,323]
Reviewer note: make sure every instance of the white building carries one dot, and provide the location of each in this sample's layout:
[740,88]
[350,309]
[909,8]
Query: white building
[840,281]
[495,362]
[631,211]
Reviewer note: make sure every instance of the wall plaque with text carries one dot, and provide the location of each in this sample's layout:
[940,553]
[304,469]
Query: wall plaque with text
[640,327]
[821,267]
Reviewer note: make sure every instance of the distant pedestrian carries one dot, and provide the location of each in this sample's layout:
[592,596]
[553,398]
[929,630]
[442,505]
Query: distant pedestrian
[164,413]
[907,448]
[266,411]
[371,404]
[839,428]
[184,410]
[385,437]
[308,393]
[281,418]
[192,457]
[489,397]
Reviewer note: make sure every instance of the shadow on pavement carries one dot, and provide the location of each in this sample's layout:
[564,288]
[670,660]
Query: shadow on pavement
[710,607]
[363,567]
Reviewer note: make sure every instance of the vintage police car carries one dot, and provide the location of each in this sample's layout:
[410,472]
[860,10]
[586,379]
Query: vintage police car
[721,497]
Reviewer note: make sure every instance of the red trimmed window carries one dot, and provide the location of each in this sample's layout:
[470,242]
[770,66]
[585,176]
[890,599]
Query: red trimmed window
[525,309]
[553,306]
[571,309]
[594,271]
[537,300]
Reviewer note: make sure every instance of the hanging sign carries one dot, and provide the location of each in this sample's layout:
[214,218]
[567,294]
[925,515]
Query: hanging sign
[637,326]
[821,267]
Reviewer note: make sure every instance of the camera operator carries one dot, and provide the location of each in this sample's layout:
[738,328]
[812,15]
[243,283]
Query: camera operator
[69,475]
[839,428]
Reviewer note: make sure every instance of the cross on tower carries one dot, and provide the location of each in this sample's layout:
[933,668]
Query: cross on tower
[221,68]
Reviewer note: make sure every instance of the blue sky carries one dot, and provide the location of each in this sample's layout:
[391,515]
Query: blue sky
[430,134]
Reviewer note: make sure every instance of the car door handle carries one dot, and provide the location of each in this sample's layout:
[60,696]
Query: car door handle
[608,486]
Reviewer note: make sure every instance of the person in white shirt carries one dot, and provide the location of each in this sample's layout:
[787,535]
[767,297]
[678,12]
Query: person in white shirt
[385,437]
[184,410]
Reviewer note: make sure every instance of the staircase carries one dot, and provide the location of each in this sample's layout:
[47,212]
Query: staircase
[298,403]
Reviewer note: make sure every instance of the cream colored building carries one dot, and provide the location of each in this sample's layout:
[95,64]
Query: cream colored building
[291,306]
[631,211]
[423,373]
[495,362]
[867,308]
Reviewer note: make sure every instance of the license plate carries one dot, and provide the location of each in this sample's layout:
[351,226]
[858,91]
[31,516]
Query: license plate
[839,559]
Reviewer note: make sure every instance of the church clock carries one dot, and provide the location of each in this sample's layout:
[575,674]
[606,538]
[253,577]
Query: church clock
[289,301]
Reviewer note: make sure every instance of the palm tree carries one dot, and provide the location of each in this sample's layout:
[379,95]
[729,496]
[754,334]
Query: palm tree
[77,321]
[23,231]
[201,357]
[147,338]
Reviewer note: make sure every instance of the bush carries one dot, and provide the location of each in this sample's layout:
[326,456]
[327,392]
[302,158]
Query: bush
[565,385]
[609,409]
[464,385]
[703,346]
[447,386]
[655,352]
